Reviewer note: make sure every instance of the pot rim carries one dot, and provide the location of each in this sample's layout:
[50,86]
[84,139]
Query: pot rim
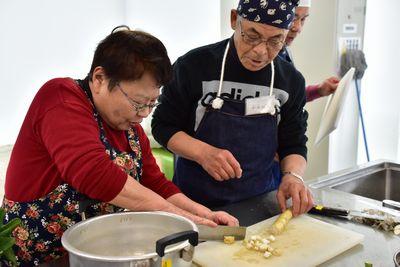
[71,249]
[395,258]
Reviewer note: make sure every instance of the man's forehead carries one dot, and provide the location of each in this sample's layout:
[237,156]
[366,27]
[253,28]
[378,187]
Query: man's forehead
[302,12]
[264,30]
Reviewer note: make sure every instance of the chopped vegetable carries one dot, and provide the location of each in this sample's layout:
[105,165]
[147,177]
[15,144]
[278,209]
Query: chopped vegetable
[276,252]
[279,225]
[261,244]
[396,229]
[267,254]
[265,241]
[229,239]
[367,264]
[388,224]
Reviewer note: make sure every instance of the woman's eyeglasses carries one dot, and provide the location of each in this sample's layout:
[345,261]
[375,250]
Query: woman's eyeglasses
[138,107]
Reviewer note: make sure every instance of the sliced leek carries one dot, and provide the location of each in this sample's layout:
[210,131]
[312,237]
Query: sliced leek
[279,225]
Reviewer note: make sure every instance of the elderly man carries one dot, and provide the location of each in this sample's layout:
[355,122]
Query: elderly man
[329,85]
[231,105]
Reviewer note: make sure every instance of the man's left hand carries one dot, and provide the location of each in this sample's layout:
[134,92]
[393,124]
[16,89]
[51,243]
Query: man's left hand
[293,187]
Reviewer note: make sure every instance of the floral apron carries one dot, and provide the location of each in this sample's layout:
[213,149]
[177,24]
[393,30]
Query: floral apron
[44,220]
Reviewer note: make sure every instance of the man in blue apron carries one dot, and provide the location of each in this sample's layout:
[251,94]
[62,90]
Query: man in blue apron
[231,106]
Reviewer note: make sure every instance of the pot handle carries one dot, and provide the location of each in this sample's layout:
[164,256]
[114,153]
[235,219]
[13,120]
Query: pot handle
[162,243]
[84,203]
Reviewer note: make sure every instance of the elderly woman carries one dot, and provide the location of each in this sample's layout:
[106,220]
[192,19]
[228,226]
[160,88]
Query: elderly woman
[81,139]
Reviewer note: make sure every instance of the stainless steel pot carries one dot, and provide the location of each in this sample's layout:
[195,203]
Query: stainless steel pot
[396,259]
[132,239]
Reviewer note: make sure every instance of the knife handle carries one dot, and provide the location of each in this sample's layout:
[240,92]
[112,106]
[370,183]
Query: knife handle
[328,211]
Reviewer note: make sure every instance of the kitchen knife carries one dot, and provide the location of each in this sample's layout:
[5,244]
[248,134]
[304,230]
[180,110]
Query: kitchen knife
[347,214]
[217,233]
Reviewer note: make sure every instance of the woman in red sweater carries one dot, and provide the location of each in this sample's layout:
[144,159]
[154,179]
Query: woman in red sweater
[81,139]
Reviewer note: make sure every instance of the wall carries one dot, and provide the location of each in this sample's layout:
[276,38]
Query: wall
[180,26]
[313,52]
[45,39]
[226,7]
[315,57]
[343,142]
[380,87]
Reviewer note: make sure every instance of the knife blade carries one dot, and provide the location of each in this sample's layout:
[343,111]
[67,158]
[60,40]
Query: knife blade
[348,214]
[219,232]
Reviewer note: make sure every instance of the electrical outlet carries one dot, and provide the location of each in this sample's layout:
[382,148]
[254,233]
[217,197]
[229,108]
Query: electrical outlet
[349,43]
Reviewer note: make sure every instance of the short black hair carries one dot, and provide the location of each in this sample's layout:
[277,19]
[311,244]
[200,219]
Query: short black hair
[128,54]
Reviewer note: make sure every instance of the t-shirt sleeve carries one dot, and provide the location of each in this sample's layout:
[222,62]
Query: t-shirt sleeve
[293,125]
[312,92]
[177,105]
[71,137]
[152,177]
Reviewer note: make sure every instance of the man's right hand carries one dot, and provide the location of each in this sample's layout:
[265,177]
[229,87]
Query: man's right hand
[219,163]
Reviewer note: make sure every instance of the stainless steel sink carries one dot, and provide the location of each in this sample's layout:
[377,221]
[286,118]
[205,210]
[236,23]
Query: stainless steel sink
[378,180]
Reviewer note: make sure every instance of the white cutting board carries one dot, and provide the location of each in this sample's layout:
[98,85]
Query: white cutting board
[334,107]
[305,242]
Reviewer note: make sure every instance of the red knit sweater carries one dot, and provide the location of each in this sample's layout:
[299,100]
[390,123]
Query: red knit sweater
[59,142]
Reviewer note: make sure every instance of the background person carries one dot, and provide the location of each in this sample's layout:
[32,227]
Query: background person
[329,85]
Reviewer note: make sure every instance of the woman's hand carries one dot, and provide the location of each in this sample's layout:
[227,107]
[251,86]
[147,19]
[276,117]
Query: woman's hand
[136,197]
[219,217]
[195,218]
[222,217]
[200,211]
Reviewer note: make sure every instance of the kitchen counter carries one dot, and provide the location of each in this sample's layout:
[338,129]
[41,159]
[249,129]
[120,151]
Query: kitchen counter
[378,246]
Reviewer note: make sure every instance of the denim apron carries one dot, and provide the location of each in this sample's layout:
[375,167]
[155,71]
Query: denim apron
[38,238]
[252,140]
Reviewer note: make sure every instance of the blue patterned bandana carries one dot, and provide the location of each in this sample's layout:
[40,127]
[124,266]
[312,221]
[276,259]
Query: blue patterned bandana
[277,13]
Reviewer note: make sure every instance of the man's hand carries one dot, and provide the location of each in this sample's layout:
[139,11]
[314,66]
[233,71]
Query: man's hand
[219,163]
[293,187]
[328,86]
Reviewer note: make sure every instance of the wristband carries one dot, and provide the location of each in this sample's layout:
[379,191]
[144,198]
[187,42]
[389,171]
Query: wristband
[294,174]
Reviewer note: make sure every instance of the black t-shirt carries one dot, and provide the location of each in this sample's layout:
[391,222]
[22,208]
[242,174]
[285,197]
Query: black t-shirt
[195,82]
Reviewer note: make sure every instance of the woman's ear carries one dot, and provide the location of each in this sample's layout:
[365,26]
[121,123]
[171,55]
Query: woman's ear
[98,79]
